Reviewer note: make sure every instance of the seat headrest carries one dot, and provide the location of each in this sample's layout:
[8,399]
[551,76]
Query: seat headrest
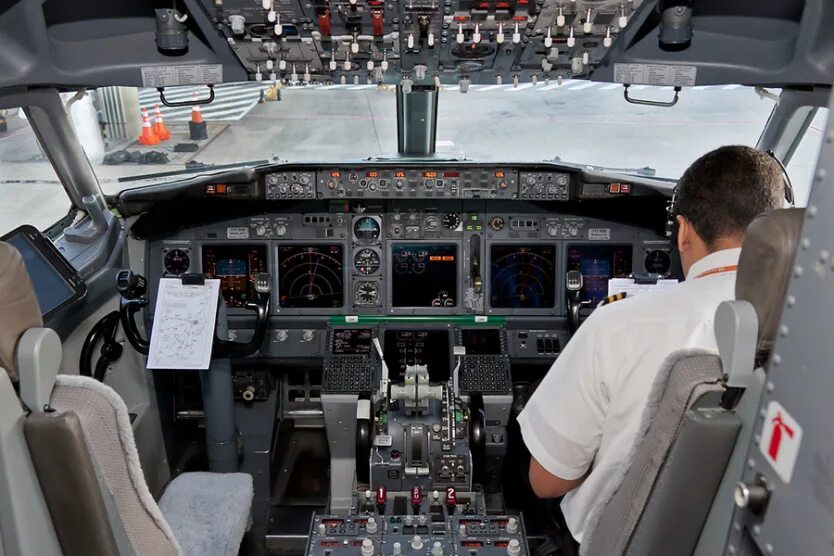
[764,269]
[19,309]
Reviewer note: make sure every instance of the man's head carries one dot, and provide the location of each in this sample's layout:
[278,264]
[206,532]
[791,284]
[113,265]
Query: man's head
[719,195]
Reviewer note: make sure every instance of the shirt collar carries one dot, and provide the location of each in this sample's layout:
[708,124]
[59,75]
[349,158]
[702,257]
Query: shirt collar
[725,257]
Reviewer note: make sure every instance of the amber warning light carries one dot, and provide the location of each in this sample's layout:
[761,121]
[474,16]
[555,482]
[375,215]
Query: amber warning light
[499,174]
[429,174]
[399,174]
[372,174]
[335,174]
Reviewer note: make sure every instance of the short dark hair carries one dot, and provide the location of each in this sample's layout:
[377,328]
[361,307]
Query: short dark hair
[725,189]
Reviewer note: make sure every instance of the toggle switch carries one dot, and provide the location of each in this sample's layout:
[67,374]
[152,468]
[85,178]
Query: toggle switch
[571,39]
[606,42]
[499,37]
[560,19]
[459,37]
[548,39]
[516,35]
[430,39]
[588,26]
[476,36]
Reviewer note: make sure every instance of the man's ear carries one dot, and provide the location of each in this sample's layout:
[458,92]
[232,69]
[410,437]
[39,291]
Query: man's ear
[684,234]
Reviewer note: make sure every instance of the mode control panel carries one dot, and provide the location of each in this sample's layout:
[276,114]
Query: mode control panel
[419,183]
[547,186]
[290,185]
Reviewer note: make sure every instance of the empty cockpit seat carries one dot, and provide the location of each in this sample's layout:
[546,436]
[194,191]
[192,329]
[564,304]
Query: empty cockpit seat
[199,513]
[669,481]
[82,457]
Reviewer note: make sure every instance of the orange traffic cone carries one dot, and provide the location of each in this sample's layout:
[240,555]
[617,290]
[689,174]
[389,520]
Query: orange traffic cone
[148,137]
[159,128]
[197,127]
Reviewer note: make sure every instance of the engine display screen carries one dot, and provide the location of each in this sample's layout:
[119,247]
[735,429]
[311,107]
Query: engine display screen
[481,341]
[235,266]
[417,347]
[599,263]
[424,275]
[310,276]
[352,341]
[522,276]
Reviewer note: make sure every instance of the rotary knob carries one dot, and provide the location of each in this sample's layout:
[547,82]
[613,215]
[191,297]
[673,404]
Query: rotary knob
[260,229]
[431,222]
[573,230]
[280,230]
[496,223]
[307,336]
[282,335]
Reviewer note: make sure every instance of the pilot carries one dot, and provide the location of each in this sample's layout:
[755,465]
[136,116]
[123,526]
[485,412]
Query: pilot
[581,422]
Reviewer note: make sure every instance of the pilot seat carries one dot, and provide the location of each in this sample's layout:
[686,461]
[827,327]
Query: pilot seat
[83,452]
[674,495]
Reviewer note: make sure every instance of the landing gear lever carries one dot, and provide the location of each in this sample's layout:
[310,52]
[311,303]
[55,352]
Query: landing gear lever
[573,285]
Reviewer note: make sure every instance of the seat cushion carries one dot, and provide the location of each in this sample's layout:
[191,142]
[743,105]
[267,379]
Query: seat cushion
[208,512]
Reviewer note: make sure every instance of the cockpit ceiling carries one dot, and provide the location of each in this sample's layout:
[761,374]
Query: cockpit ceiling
[419,42]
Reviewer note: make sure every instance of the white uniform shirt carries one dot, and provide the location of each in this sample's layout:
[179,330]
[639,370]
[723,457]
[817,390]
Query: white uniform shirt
[587,410]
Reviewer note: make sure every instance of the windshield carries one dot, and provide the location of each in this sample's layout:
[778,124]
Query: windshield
[577,122]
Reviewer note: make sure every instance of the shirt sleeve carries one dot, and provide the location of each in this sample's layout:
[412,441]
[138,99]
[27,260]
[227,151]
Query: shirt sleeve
[562,422]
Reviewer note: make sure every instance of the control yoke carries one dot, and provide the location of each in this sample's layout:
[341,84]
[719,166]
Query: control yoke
[573,285]
[132,288]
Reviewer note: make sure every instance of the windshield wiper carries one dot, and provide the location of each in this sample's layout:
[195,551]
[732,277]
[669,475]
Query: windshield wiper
[645,171]
[193,167]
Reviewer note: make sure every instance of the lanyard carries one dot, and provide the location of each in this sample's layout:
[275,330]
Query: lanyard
[718,270]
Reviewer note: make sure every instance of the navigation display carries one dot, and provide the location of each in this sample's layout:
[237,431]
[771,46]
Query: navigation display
[522,276]
[417,347]
[310,276]
[352,341]
[599,263]
[424,275]
[236,266]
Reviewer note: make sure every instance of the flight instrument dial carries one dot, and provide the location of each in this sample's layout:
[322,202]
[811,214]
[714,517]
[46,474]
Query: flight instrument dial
[367,293]
[366,261]
[366,229]
[658,262]
[176,262]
